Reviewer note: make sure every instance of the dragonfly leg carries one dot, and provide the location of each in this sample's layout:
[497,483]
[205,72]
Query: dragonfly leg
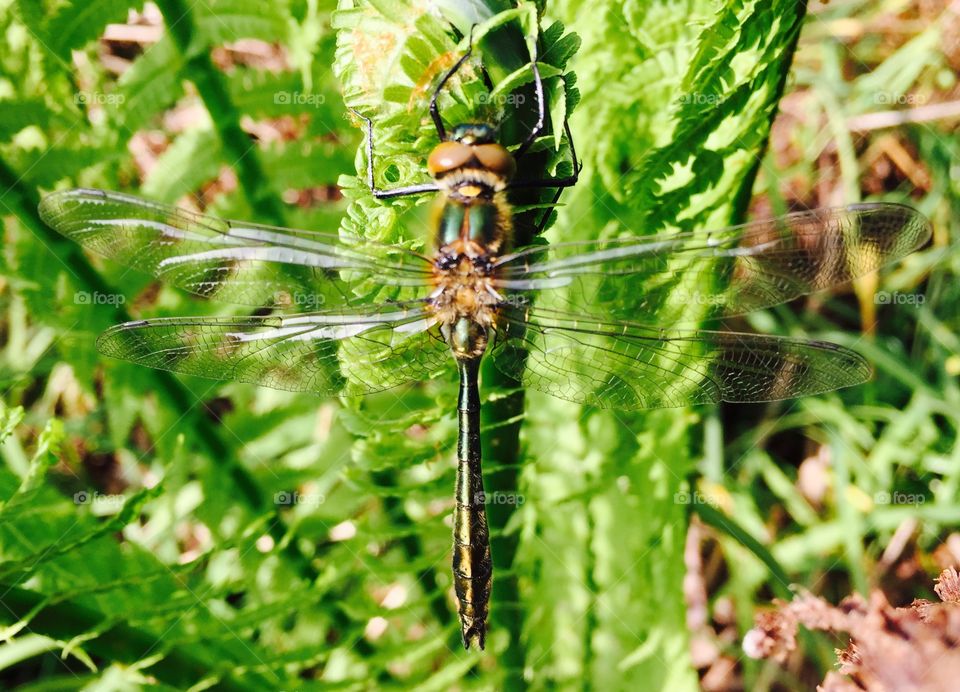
[542,223]
[541,108]
[434,108]
[559,183]
[393,192]
[566,181]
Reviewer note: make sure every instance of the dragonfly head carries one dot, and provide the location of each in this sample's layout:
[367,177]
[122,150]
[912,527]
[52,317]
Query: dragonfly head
[471,163]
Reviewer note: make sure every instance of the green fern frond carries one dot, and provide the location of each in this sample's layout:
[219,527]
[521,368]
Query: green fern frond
[75,24]
[350,587]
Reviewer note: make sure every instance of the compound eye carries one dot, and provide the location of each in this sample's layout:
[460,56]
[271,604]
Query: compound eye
[496,158]
[448,156]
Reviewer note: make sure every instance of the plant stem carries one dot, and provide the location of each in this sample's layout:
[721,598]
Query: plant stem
[500,421]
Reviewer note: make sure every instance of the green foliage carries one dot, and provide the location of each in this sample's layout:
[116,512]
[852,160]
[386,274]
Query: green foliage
[152,84]
[177,533]
[75,24]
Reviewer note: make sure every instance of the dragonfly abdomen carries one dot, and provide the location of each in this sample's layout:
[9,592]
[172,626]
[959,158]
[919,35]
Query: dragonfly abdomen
[472,565]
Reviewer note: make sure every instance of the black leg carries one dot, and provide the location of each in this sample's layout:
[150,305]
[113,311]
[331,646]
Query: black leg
[434,108]
[397,191]
[559,183]
[567,181]
[541,110]
[542,223]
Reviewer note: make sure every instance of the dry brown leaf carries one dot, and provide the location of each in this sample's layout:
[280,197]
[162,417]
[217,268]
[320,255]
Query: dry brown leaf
[890,649]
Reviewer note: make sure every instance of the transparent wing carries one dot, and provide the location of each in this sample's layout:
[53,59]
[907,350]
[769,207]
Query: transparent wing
[731,271]
[323,353]
[631,366]
[232,261]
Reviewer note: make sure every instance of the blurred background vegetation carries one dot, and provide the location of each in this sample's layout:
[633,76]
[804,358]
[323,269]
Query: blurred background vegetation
[168,532]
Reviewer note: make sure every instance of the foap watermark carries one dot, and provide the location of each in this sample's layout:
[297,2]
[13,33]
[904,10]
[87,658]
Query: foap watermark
[898,298]
[304,300]
[513,300]
[686,497]
[697,98]
[697,298]
[99,502]
[893,98]
[286,498]
[899,498]
[298,98]
[98,98]
[97,298]
[498,498]
[501,99]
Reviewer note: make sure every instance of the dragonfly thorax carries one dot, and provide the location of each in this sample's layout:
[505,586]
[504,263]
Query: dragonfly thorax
[477,227]
[465,286]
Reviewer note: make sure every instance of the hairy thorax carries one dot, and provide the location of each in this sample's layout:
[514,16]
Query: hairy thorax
[464,285]
[472,231]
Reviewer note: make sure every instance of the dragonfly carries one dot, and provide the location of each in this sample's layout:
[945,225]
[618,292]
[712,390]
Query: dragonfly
[564,318]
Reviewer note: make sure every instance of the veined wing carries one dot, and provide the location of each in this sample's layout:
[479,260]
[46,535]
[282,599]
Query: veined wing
[731,271]
[324,353]
[233,261]
[632,366]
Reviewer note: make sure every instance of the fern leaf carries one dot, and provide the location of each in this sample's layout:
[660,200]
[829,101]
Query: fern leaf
[79,22]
